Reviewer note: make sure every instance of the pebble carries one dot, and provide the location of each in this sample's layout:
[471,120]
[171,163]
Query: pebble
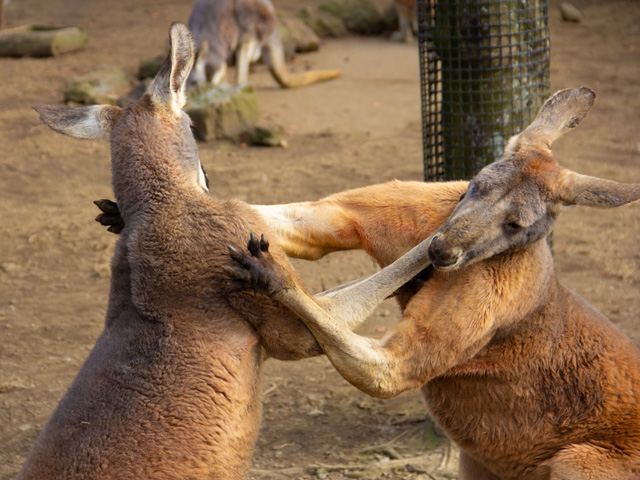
[570,13]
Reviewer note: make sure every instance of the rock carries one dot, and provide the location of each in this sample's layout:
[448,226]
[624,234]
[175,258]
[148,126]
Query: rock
[264,136]
[390,18]
[103,85]
[296,35]
[222,112]
[359,16]
[570,13]
[323,23]
[135,93]
[41,41]
[10,267]
[149,67]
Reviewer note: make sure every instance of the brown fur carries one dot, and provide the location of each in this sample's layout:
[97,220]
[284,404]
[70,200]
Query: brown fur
[172,386]
[525,376]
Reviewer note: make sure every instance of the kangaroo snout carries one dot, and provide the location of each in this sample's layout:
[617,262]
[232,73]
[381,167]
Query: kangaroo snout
[442,254]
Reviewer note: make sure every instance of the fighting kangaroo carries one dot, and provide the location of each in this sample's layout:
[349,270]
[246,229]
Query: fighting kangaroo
[247,28]
[523,374]
[172,387]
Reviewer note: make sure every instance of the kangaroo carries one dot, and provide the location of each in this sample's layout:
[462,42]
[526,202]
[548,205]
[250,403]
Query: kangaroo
[407,11]
[172,387]
[246,28]
[523,374]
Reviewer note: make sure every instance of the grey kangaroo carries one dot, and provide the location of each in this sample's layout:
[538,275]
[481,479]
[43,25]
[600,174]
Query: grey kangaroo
[171,389]
[247,28]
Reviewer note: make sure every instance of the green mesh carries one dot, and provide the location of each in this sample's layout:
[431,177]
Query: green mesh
[484,67]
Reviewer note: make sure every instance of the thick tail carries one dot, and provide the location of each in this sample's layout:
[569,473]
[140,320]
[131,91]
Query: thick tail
[274,58]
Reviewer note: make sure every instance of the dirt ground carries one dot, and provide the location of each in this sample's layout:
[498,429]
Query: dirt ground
[361,129]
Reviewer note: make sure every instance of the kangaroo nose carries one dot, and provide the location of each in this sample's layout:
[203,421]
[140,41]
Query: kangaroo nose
[442,254]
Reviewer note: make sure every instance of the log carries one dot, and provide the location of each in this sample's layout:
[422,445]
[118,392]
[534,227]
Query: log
[41,40]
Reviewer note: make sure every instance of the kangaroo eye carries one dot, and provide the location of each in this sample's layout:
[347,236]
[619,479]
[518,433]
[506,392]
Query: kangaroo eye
[514,226]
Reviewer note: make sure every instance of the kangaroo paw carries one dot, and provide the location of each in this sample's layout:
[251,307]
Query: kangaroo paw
[257,270]
[110,216]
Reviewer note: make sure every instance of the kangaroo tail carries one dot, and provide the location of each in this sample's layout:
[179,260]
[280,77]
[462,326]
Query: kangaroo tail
[274,59]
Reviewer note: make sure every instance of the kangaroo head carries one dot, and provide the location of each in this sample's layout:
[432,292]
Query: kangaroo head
[151,140]
[515,201]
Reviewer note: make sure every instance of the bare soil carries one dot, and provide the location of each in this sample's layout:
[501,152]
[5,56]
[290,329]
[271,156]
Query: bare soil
[361,129]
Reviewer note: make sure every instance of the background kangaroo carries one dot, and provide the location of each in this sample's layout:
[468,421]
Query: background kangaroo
[171,388]
[524,375]
[247,28]
[407,11]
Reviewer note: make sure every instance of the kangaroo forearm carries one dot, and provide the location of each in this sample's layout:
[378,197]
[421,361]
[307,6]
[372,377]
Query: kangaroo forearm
[310,230]
[368,365]
[361,297]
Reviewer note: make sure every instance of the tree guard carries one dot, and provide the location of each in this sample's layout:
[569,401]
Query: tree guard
[484,67]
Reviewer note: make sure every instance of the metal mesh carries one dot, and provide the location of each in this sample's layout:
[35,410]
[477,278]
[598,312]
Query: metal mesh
[484,67]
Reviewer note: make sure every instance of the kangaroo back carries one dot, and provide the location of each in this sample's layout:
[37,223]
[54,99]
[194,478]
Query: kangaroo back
[171,388]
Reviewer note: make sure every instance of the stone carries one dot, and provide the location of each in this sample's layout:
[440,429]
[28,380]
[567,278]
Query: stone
[135,93]
[222,112]
[150,66]
[390,18]
[104,85]
[570,13]
[359,16]
[264,136]
[41,41]
[323,23]
[295,32]
[10,267]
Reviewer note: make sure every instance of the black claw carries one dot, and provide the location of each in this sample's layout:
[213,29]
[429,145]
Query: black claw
[234,252]
[264,243]
[107,206]
[254,245]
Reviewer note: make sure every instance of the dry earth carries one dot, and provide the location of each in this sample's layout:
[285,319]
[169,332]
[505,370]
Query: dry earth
[361,129]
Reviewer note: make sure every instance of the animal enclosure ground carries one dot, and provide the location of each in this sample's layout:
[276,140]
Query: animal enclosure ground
[361,129]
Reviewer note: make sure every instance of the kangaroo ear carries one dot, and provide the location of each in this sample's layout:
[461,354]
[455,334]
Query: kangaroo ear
[576,189]
[95,121]
[169,86]
[562,112]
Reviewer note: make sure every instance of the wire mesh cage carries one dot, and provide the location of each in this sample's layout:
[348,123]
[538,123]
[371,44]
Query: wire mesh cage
[484,67]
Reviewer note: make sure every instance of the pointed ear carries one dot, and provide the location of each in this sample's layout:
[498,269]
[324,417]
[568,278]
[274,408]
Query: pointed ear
[562,112]
[169,85]
[94,121]
[576,189]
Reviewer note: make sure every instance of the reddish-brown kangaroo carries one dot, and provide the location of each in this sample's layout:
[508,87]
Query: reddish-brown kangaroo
[171,389]
[523,374]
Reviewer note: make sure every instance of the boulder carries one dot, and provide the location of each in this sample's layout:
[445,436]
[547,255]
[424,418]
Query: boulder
[295,32]
[134,94]
[323,23]
[103,85]
[222,112]
[264,136]
[359,16]
[150,66]
[390,18]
